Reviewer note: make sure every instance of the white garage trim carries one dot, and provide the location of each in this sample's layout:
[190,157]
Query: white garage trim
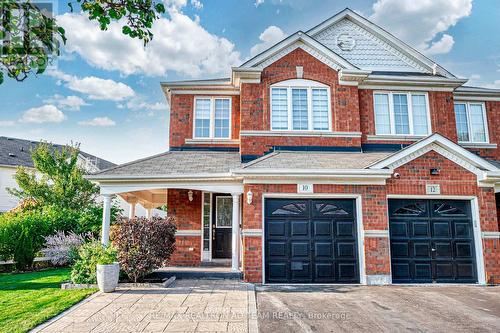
[359,224]
[476,226]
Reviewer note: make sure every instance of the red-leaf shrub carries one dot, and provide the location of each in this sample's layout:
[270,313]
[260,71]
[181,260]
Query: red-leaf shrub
[143,244]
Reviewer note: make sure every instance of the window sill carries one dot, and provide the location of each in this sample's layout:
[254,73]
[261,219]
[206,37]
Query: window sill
[212,141]
[484,145]
[387,137]
[325,134]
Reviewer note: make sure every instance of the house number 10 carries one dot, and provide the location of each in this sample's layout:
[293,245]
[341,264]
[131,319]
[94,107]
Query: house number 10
[305,188]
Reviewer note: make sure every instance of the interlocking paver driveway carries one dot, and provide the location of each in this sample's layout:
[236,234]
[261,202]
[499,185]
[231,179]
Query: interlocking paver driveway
[187,306]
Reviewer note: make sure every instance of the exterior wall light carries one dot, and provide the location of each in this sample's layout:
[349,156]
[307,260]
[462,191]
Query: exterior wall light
[249,197]
[190,195]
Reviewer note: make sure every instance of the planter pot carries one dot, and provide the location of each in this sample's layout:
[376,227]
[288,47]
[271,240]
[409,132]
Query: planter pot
[107,277]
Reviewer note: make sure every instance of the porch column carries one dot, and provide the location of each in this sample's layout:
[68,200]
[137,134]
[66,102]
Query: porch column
[106,216]
[131,212]
[148,212]
[235,259]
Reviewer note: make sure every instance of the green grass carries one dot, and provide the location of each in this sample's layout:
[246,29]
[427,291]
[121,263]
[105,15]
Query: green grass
[29,299]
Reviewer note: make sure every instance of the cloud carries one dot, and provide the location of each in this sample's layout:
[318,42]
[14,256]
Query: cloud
[180,44]
[420,23]
[295,4]
[43,114]
[96,88]
[258,3]
[139,104]
[268,38]
[70,103]
[197,4]
[7,123]
[98,121]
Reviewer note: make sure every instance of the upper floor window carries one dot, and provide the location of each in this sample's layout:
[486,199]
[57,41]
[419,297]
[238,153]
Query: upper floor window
[401,113]
[471,122]
[300,105]
[212,117]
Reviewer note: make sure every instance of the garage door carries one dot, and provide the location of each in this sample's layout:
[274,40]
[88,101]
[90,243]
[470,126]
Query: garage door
[310,241]
[431,241]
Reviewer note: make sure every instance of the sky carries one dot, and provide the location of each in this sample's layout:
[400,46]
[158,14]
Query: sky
[104,91]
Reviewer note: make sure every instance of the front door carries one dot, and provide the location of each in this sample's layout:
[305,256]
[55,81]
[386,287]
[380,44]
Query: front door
[221,226]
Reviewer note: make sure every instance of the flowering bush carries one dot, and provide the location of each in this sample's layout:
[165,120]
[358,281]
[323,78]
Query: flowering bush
[62,248]
[143,244]
[89,256]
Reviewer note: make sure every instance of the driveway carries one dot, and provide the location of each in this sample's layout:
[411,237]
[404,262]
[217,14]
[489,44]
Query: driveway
[186,306]
[372,309]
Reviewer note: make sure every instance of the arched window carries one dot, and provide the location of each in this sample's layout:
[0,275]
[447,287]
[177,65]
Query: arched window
[300,105]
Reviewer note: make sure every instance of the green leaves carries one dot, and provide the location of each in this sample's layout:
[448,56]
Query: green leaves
[29,49]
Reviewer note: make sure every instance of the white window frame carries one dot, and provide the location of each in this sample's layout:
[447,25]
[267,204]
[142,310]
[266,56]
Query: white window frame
[410,112]
[212,117]
[300,84]
[469,125]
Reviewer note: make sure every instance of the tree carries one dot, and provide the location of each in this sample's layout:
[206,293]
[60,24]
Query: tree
[30,36]
[58,180]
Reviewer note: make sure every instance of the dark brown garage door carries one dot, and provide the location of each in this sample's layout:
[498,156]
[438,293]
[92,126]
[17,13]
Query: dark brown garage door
[310,241]
[432,241]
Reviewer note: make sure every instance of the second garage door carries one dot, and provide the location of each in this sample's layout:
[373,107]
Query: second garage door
[310,241]
[431,241]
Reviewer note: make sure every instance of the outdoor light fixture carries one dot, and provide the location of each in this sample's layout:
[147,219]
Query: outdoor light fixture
[249,197]
[190,195]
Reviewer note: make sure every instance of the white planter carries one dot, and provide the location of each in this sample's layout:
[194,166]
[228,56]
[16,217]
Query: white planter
[107,277]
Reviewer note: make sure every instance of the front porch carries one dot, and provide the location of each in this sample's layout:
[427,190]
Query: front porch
[197,189]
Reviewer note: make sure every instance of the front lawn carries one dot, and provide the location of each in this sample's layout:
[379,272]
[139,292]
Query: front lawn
[29,299]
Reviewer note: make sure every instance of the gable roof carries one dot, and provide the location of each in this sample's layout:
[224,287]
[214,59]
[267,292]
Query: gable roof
[299,40]
[401,47]
[441,145]
[17,152]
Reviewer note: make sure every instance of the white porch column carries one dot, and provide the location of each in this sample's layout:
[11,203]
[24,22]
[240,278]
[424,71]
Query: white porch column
[106,217]
[235,259]
[131,212]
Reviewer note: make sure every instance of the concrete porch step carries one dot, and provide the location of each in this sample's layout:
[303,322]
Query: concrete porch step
[209,273]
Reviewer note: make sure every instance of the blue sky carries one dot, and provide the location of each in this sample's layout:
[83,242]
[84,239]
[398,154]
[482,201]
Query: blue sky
[104,91]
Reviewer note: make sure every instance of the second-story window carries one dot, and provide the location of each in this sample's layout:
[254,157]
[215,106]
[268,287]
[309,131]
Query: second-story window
[300,105]
[212,117]
[401,113]
[471,122]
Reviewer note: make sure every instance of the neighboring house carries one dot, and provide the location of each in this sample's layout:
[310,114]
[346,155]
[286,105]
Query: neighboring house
[338,155]
[17,152]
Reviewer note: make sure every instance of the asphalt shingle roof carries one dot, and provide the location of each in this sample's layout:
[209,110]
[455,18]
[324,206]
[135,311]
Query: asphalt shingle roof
[17,152]
[178,163]
[316,160]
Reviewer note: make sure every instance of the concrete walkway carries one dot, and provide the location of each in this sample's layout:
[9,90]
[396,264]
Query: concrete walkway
[186,306]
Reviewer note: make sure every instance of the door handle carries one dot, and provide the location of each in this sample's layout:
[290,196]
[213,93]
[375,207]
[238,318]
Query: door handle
[433,250]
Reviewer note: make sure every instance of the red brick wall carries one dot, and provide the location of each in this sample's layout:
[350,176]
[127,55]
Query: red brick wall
[181,119]
[255,104]
[188,217]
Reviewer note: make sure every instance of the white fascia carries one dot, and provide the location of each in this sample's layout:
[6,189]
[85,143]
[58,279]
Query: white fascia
[297,38]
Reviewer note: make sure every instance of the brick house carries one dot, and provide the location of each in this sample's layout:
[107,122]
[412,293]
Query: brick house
[338,155]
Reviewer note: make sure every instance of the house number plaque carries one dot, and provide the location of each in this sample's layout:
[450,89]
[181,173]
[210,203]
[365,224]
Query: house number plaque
[305,188]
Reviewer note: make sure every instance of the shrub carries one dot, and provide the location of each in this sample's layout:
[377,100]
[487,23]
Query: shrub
[89,256]
[143,244]
[22,236]
[62,248]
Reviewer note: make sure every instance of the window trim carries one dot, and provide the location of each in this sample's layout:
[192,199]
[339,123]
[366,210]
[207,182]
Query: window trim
[300,84]
[469,128]
[392,124]
[211,135]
